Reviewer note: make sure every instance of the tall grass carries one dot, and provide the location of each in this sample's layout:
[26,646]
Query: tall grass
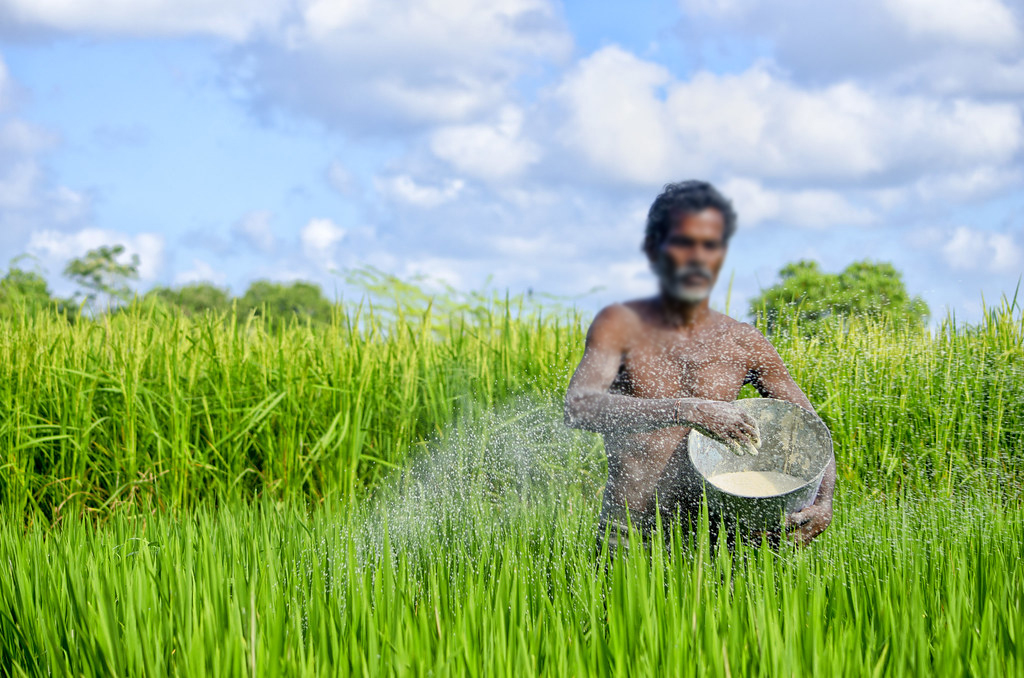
[163,411]
[150,410]
[916,407]
[896,589]
[226,458]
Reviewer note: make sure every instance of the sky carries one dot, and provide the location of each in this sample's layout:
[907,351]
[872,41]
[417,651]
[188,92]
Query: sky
[515,144]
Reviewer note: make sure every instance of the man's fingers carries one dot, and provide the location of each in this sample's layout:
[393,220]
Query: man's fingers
[733,443]
[755,432]
[750,429]
[741,443]
[798,519]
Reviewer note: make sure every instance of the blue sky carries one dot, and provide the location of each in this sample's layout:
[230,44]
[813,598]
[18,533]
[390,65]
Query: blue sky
[513,141]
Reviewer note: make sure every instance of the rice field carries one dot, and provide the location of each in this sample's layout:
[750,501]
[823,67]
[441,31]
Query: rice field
[395,494]
[914,587]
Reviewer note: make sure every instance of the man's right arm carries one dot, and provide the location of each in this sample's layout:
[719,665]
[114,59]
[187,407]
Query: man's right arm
[590,406]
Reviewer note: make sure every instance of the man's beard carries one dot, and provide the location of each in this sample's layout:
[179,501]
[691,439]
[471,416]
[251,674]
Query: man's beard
[673,283]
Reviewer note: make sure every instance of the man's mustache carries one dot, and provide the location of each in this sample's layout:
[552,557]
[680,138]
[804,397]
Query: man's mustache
[693,269]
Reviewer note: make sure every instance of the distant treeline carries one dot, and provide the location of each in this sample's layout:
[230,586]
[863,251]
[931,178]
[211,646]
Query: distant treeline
[804,297]
[23,290]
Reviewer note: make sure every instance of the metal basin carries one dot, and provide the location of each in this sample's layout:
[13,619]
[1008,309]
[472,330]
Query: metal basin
[794,441]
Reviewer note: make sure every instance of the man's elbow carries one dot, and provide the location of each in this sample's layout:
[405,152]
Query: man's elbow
[574,411]
[569,412]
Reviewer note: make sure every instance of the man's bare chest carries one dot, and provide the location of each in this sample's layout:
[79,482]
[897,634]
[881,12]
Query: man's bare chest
[714,370]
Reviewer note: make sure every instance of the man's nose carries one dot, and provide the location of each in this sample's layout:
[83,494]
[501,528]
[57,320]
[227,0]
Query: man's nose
[699,255]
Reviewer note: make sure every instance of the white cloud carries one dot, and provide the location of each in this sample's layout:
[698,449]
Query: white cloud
[756,204]
[970,184]
[972,22]
[402,65]
[627,278]
[490,152]
[956,73]
[405,189]
[1008,254]
[57,248]
[29,198]
[967,46]
[541,247]
[435,270]
[254,230]
[7,87]
[18,136]
[201,271]
[18,185]
[224,18]
[970,249]
[614,117]
[22,184]
[390,63]
[319,239]
[627,118]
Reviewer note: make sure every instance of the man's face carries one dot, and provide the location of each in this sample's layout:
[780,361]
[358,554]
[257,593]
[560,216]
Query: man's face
[688,261]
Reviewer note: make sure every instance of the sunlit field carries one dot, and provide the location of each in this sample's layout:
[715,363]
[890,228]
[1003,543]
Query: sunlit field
[395,494]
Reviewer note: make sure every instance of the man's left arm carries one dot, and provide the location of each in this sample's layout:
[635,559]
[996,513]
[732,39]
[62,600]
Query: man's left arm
[768,374]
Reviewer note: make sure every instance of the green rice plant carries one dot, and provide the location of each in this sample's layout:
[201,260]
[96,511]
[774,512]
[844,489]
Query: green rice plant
[920,586]
[916,407]
[154,411]
[479,559]
[160,411]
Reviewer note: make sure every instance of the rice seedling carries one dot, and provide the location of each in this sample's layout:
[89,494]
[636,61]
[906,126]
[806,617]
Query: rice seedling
[154,411]
[920,586]
[394,493]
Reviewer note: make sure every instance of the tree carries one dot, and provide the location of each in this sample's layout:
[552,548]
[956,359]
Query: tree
[863,289]
[193,299]
[100,272]
[24,291]
[281,302]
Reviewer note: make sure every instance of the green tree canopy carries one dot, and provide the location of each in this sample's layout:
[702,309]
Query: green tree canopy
[863,289]
[24,291]
[194,298]
[281,302]
[99,271]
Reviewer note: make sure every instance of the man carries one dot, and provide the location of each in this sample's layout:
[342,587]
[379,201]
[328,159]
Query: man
[655,368]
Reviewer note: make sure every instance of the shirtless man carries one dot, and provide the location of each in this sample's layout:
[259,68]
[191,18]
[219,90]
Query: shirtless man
[655,368]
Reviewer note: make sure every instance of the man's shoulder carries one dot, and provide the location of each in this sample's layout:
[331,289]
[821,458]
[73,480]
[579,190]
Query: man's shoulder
[619,320]
[625,312]
[742,332]
[617,315]
[750,342]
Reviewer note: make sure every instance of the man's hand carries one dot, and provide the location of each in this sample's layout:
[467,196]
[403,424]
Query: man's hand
[805,525]
[726,423]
